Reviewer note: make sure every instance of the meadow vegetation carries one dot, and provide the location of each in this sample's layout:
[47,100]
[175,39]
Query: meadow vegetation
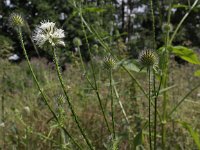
[101,95]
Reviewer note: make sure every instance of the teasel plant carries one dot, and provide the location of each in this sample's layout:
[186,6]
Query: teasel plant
[169,35]
[17,22]
[47,34]
[149,60]
[109,64]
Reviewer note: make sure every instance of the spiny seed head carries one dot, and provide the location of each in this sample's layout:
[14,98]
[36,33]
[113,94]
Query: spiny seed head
[77,42]
[148,58]
[16,20]
[109,62]
[167,27]
[48,33]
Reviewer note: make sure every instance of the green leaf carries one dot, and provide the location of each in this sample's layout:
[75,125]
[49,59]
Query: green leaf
[197,73]
[186,54]
[132,65]
[180,6]
[138,140]
[194,134]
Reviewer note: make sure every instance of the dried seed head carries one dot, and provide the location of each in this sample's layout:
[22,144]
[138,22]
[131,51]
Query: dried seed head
[109,62]
[16,20]
[167,27]
[148,58]
[77,42]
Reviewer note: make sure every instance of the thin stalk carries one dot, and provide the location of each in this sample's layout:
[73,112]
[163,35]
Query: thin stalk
[182,100]
[95,87]
[149,95]
[154,80]
[68,99]
[40,89]
[182,20]
[63,140]
[112,102]
[122,107]
[155,124]
[153,24]
[155,114]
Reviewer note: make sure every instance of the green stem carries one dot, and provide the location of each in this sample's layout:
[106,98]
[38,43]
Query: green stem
[155,124]
[95,87]
[122,107]
[165,76]
[40,89]
[149,95]
[182,20]
[153,24]
[112,103]
[155,114]
[154,82]
[68,99]
[165,95]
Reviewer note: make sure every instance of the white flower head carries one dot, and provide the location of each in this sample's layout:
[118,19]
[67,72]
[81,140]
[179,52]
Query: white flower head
[48,33]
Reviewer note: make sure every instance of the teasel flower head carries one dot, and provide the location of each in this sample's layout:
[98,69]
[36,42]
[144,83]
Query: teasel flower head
[109,62]
[16,20]
[148,58]
[167,27]
[77,42]
[48,33]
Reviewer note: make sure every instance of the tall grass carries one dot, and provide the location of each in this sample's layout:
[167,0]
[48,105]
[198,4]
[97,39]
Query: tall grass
[99,87]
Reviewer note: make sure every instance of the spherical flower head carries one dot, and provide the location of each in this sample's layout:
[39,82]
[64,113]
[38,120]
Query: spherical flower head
[148,58]
[109,62]
[167,27]
[77,42]
[47,33]
[16,20]
[95,46]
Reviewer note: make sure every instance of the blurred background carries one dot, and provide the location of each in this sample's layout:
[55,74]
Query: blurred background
[126,24]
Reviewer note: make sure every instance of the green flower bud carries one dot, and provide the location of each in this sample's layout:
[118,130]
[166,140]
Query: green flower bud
[77,42]
[16,20]
[167,27]
[109,62]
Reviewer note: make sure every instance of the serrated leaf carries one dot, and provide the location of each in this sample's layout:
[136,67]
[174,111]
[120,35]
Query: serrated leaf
[186,54]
